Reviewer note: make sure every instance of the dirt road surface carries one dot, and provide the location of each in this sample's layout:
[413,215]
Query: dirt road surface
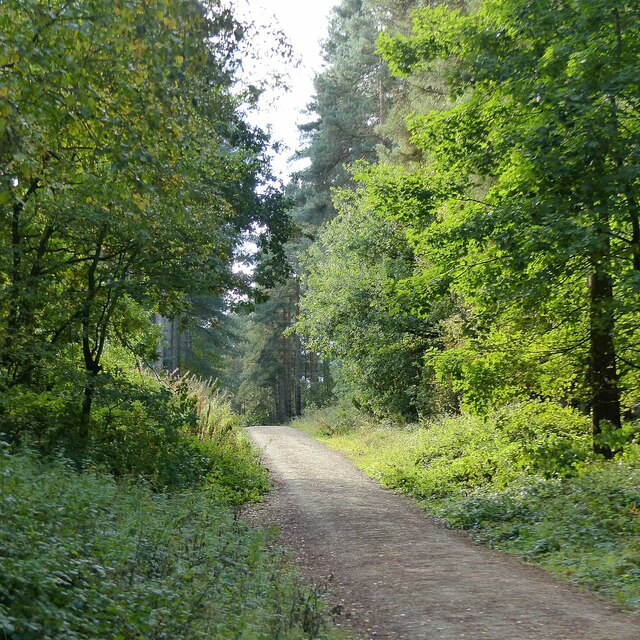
[401,574]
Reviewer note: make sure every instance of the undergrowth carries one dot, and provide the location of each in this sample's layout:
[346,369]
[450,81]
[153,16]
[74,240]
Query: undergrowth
[84,556]
[132,532]
[523,480]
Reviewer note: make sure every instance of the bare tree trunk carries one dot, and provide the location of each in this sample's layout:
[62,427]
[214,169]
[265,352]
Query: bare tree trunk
[297,370]
[287,370]
[297,373]
[91,362]
[313,369]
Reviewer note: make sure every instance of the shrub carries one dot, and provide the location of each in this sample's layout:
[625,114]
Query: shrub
[216,417]
[545,438]
[332,420]
[82,556]
[172,432]
[586,526]
[462,453]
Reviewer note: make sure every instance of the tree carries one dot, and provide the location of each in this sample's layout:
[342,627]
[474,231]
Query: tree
[127,174]
[349,105]
[349,312]
[542,147]
[281,373]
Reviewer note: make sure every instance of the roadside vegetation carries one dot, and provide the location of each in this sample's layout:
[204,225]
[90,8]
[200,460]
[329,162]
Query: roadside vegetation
[130,182]
[84,556]
[460,253]
[523,480]
[140,537]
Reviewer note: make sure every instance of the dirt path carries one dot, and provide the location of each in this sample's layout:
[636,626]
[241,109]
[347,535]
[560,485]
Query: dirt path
[401,573]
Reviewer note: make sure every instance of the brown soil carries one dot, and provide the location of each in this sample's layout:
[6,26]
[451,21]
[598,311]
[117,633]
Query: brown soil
[399,573]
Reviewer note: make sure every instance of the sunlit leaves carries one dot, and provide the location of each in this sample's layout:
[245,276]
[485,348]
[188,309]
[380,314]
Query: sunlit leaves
[544,136]
[126,169]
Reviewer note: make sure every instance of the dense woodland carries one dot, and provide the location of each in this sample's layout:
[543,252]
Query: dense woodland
[449,290]
[130,183]
[468,231]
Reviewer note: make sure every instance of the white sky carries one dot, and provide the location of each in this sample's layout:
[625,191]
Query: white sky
[304,22]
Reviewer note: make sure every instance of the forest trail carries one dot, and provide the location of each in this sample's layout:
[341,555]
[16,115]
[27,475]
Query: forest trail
[400,573]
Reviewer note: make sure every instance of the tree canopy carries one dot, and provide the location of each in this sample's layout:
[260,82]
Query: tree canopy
[128,176]
[518,211]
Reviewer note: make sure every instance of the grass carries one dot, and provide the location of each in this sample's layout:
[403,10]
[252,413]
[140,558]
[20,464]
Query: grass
[523,481]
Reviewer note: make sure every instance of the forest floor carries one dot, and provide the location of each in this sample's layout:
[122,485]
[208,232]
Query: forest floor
[398,573]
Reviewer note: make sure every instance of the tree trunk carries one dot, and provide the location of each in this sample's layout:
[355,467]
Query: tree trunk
[91,357]
[297,377]
[87,402]
[16,285]
[313,369]
[603,375]
[277,402]
[297,373]
[287,371]
[326,377]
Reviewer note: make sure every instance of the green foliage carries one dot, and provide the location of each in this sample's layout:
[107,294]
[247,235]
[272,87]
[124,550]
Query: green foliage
[333,420]
[129,179]
[547,439]
[273,368]
[542,137]
[82,556]
[170,432]
[454,455]
[585,527]
[348,316]
[343,128]
[351,120]
[178,433]
[523,480]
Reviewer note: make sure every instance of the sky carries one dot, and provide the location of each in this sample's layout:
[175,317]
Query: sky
[305,26]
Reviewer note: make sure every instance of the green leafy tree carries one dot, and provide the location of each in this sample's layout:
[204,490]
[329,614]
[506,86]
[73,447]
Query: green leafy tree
[127,175]
[350,104]
[275,370]
[541,154]
[349,312]
[280,373]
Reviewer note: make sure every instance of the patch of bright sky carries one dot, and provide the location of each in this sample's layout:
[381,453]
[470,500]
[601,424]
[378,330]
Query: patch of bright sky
[304,23]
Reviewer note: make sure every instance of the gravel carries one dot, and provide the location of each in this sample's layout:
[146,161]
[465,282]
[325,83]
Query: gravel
[397,572]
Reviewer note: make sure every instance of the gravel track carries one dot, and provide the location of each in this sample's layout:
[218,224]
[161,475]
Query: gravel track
[399,573]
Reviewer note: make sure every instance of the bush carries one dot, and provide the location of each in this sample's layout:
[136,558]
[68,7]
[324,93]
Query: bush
[173,433]
[466,452]
[461,453]
[177,433]
[586,526]
[82,556]
[545,438]
[332,420]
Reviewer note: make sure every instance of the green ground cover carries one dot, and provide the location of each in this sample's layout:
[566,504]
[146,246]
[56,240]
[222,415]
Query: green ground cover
[135,533]
[84,556]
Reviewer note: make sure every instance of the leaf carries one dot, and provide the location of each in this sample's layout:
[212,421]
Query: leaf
[140,202]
